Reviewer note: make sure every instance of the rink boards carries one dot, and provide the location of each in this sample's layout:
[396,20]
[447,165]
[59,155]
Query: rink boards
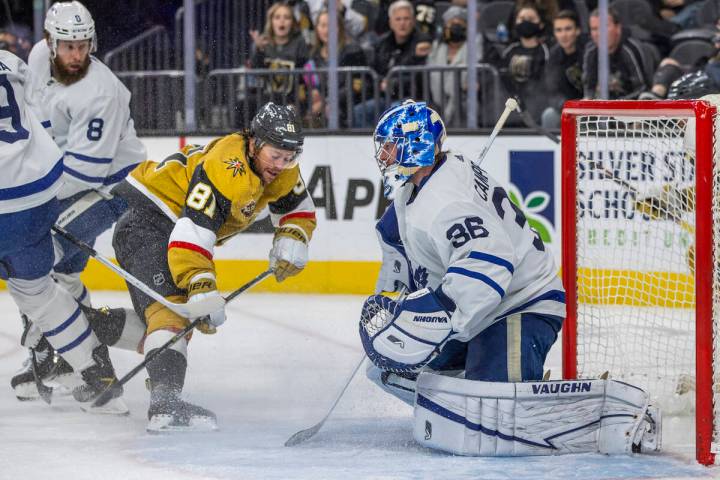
[342,177]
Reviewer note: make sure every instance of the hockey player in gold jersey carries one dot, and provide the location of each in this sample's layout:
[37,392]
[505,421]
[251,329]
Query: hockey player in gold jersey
[180,209]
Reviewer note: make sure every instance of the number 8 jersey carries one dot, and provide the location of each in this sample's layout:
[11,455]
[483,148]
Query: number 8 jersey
[89,120]
[30,162]
[460,231]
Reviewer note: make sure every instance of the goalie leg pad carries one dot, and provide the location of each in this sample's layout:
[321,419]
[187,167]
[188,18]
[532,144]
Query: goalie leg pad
[399,386]
[531,418]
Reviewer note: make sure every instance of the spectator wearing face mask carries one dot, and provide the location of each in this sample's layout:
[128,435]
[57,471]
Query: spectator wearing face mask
[523,62]
[563,73]
[447,88]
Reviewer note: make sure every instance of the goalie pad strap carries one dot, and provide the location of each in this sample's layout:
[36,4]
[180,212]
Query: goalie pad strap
[530,418]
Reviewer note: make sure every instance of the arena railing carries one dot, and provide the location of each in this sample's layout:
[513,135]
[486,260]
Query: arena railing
[151,50]
[222,31]
[444,88]
[157,100]
[231,96]
[228,98]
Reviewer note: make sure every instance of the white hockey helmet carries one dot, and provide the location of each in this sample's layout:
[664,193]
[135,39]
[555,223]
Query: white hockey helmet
[70,21]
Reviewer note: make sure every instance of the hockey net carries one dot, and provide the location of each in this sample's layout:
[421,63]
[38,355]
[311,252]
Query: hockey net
[640,208]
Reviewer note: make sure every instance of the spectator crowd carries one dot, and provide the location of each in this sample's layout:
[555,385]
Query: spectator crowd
[543,52]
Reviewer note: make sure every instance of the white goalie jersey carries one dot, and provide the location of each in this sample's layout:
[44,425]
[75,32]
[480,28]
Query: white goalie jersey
[90,121]
[30,161]
[460,231]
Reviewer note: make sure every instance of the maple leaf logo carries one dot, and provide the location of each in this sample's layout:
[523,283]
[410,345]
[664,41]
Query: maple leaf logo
[236,165]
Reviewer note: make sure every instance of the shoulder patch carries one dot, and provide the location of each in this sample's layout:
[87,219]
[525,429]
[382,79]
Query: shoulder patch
[235,164]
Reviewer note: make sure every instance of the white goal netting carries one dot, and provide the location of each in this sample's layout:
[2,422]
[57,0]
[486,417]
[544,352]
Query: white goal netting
[635,253]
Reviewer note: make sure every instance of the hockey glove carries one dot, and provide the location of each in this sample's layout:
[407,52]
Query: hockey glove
[406,336]
[203,286]
[289,253]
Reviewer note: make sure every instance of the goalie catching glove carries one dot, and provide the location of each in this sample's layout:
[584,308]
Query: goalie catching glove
[203,286]
[289,253]
[406,336]
[669,203]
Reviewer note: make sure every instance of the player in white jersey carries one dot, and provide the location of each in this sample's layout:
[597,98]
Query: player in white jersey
[86,109]
[32,167]
[486,307]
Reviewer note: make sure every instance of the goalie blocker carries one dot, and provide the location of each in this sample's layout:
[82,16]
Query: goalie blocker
[533,418]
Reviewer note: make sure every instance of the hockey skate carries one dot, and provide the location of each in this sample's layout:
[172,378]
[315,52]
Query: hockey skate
[97,379]
[649,436]
[169,413]
[51,370]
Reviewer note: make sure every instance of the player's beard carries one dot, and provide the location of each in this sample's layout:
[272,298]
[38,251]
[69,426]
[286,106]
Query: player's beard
[66,76]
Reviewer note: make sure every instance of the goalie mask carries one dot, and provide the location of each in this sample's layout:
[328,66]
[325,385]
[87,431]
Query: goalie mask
[72,22]
[278,126]
[406,139]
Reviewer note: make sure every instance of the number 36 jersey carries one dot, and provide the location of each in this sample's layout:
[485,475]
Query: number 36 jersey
[90,122]
[461,232]
[30,162]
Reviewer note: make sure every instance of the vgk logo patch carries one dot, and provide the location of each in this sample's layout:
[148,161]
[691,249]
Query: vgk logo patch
[236,165]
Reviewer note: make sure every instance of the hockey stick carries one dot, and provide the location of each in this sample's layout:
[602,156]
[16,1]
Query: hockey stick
[305,434]
[44,391]
[186,310]
[148,358]
[510,105]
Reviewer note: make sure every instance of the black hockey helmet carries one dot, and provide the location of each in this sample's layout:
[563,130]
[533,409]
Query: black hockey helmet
[279,126]
[692,85]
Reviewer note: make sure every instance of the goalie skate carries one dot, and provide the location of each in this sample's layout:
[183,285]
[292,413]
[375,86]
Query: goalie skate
[176,415]
[649,436]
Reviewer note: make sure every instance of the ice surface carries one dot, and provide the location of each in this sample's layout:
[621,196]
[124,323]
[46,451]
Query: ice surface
[273,368]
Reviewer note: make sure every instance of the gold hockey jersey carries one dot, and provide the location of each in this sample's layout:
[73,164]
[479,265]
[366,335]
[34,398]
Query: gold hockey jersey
[212,193]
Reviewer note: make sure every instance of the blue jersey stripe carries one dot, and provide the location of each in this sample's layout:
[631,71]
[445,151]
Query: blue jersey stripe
[83,177]
[35,186]
[554,295]
[486,257]
[478,276]
[89,159]
[63,325]
[46,124]
[119,175]
[75,342]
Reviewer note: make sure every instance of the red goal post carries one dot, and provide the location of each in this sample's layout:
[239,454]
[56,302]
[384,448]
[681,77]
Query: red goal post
[639,251]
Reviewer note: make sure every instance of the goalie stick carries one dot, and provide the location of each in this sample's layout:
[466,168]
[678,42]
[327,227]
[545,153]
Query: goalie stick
[510,105]
[148,358]
[306,434]
[185,310]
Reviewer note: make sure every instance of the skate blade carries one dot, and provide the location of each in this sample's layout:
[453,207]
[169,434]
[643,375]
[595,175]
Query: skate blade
[160,424]
[26,392]
[116,406]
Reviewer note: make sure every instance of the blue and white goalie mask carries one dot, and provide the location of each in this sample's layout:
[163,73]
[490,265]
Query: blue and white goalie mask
[406,138]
